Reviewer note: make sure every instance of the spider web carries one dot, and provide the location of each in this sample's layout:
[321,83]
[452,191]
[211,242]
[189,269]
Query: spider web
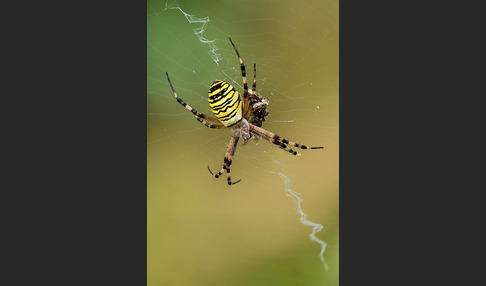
[294,45]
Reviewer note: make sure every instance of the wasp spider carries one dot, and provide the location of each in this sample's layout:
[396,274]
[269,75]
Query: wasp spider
[245,117]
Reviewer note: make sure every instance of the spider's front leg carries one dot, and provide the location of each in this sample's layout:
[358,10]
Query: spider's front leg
[228,159]
[277,140]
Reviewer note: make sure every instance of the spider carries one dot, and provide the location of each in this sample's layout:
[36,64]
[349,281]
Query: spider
[244,118]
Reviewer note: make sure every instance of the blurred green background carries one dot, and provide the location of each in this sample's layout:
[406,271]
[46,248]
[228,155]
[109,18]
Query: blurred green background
[200,230]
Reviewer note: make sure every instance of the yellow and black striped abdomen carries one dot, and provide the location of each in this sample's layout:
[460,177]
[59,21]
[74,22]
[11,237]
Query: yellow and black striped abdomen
[225,103]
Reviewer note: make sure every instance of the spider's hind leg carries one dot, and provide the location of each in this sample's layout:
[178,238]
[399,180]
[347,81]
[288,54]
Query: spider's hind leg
[199,116]
[228,159]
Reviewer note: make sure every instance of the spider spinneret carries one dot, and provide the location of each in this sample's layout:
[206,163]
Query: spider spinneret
[245,118]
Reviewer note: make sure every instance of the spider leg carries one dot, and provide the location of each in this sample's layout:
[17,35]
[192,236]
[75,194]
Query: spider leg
[245,85]
[277,140]
[228,159]
[253,95]
[286,148]
[198,115]
[210,125]
[254,81]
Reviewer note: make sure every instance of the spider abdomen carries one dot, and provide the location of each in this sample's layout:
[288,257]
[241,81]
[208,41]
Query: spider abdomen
[225,103]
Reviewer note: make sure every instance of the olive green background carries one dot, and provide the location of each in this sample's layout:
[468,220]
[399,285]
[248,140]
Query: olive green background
[200,230]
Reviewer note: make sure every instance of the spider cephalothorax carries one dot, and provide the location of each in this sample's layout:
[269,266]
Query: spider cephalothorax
[245,118]
[242,129]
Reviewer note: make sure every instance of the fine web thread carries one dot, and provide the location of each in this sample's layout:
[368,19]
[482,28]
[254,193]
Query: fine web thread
[303,217]
[198,31]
